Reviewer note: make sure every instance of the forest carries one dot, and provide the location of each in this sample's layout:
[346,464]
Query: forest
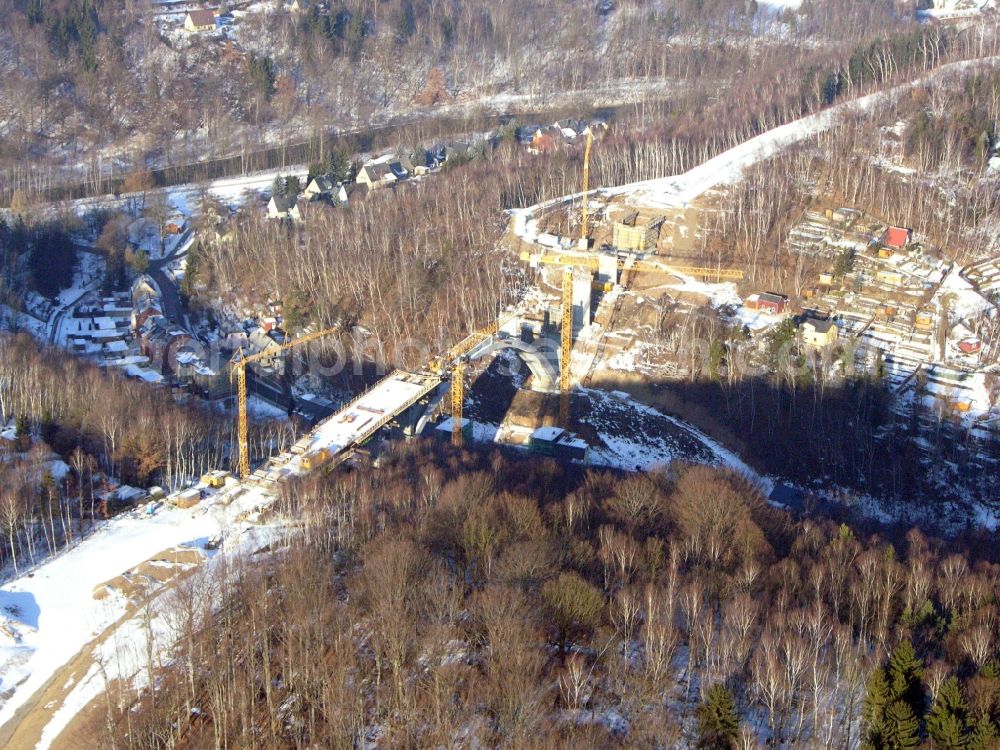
[106,428]
[87,80]
[476,598]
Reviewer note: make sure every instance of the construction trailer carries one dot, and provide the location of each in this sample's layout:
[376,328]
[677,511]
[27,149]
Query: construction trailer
[215,478]
[559,443]
[312,461]
[450,426]
[635,234]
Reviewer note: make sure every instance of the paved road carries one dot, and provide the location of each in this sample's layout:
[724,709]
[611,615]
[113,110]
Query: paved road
[170,296]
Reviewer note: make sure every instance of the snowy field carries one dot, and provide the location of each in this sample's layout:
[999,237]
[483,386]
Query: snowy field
[48,616]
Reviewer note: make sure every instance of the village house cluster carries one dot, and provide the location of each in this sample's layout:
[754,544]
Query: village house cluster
[386,171]
[543,139]
[908,315]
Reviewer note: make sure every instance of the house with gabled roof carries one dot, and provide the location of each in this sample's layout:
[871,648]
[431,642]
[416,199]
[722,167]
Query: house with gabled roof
[819,333]
[197,21]
[375,175]
[896,238]
[284,207]
[385,172]
[351,191]
[319,186]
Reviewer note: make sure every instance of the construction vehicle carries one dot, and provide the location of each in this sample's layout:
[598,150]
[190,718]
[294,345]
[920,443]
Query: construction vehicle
[238,371]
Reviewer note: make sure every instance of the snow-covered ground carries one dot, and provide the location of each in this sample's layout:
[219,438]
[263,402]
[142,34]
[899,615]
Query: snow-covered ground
[651,449]
[952,9]
[48,616]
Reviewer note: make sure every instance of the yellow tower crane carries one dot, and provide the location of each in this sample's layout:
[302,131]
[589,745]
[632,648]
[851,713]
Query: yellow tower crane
[457,400]
[586,189]
[238,371]
[592,262]
[566,348]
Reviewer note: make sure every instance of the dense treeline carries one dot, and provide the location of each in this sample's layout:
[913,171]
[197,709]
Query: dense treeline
[85,73]
[136,433]
[419,264]
[483,600]
[46,249]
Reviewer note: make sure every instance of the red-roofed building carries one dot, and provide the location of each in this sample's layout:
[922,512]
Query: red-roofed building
[970,346]
[768,302]
[542,143]
[896,238]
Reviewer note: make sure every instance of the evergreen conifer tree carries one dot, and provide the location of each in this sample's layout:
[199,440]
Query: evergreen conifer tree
[876,702]
[718,725]
[905,672]
[901,729]
[948,719]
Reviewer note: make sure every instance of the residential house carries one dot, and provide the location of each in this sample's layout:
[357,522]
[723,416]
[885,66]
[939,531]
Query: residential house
[890,277]
[269,343]
[234,342]
[143,288]
[772,303]
[767,302]
[284,207]
[351,191]
[970,345]
[571,128]
[319,187]
[142,312]
[375,175]
[896,238]
[194,372]
[442,153]
[401,168]
[160,341]
[175,224]
[197,21]
[545,141]
[819,333]
[526,134]
[924,320]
